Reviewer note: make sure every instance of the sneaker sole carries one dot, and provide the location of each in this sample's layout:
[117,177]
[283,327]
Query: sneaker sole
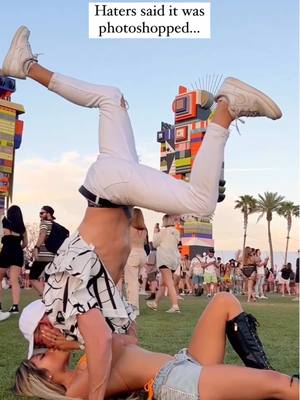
[151,308]
[14,44]
[263,97]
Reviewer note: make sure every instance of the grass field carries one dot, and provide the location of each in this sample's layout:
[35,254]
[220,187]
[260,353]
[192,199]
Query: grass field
[168,333]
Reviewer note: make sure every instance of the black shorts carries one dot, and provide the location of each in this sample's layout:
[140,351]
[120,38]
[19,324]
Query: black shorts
[37,268]
[9,257]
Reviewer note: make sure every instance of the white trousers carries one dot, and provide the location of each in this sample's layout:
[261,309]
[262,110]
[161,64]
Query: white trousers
[259,286]
[117,176]
[135,262]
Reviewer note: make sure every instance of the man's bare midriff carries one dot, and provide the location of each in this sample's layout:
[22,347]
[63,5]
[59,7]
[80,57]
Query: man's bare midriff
[107,229]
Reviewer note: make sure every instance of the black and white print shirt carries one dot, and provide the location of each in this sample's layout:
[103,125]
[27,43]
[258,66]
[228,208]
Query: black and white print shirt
[77,282]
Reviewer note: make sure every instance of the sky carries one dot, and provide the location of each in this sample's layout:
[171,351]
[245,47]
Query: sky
[254,41]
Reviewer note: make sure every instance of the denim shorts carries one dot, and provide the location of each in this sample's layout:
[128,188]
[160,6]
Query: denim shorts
[178,379]
[197,279]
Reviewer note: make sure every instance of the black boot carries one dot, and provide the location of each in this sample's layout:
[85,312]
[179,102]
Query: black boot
[242,335]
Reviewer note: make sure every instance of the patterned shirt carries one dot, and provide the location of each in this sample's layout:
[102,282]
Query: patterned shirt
[79,282]
[44,254]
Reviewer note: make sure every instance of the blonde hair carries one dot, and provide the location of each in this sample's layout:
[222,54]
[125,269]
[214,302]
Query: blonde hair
[137,221]
[168,220]
[34,382]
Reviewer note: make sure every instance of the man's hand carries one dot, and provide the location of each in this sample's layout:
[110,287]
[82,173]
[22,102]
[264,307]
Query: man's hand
[58,341]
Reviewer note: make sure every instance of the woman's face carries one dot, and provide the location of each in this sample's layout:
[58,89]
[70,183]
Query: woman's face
[52,360]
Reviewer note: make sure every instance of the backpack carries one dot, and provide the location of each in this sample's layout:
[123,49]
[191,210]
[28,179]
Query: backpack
[56,238]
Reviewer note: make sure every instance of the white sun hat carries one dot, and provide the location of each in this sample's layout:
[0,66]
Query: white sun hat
[29,320]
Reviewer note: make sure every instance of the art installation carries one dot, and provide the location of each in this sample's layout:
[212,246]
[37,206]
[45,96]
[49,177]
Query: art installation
[179,144]
[11,129]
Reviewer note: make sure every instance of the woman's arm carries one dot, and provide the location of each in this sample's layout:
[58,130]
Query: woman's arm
[96,335]
[25,240]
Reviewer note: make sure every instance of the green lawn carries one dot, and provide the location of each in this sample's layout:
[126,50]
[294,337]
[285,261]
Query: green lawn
[159,331]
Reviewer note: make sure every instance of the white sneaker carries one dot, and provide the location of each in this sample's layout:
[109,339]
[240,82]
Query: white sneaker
[263,297]
[173,310]
[152,305]
[246,101]
[4,315]
[19,57]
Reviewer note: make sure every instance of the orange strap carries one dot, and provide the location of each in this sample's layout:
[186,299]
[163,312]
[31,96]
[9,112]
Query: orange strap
[82,362]
[149,389]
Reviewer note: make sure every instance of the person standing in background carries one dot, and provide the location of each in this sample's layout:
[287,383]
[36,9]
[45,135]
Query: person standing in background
[136,260]
[260,274]
[210,276]
[196,272]
[167,259]
[285,279]
[41,255]
[152,272]
[14,240]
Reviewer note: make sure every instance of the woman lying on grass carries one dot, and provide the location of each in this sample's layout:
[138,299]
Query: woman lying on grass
[191,374]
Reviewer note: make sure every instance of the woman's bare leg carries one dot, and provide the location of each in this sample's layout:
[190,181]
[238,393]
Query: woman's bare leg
[249,290]
[40,74]
[228,382]
[168,282]
[209,338]
[2,275]
[15,286]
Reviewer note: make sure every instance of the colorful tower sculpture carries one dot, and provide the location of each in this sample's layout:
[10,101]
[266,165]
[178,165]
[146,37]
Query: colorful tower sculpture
[11,128]
[179,144]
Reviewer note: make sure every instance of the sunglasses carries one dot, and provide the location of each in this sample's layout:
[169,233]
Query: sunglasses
[42,212]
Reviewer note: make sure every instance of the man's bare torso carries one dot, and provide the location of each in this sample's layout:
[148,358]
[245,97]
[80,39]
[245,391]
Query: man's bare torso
[107,229]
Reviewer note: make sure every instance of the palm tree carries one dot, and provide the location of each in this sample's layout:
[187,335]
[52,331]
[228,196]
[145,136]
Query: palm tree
[267,204]
[247,205]
[288,210]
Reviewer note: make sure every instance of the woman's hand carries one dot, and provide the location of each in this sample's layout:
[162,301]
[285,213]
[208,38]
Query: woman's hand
[58,341]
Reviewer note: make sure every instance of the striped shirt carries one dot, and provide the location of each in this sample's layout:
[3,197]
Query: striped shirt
[44,254]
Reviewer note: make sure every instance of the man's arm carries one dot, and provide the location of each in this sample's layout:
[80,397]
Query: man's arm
[96,335]
[40,241]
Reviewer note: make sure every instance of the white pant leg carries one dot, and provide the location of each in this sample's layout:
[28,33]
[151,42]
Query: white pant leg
[117,177]
[115,131]
[259,285]
[124,182]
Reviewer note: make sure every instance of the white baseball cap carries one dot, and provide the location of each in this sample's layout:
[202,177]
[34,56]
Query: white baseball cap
[29,320]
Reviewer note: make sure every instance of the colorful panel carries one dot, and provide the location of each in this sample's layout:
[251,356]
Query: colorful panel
[182,146]
[19,127]
[185,107]
[181,133]
[160,137]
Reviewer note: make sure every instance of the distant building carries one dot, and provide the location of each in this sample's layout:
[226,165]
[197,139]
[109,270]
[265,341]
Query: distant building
[11,129]
[179,144]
